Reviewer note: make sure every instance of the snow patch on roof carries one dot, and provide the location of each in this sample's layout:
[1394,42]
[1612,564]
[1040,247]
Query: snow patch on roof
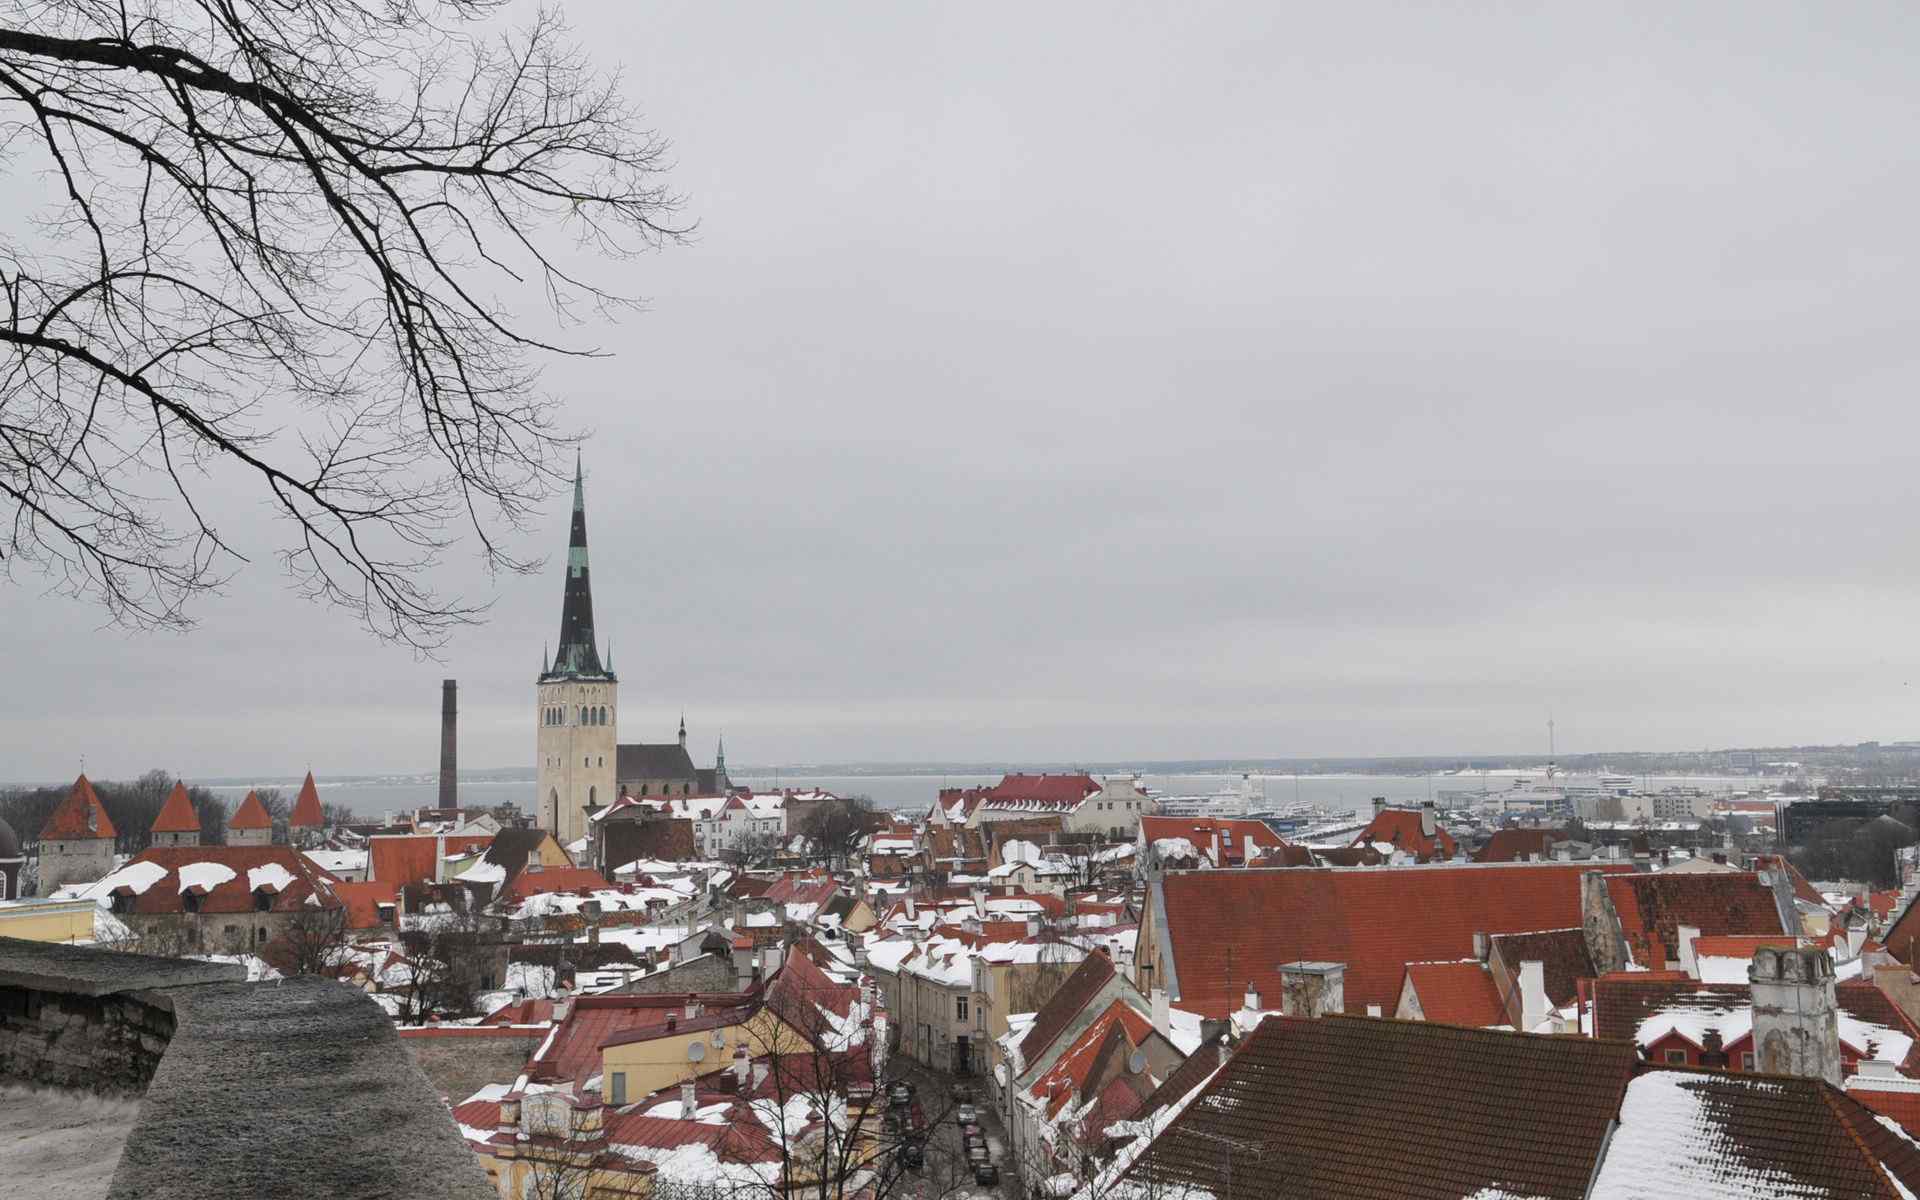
[272,876]
[208,875]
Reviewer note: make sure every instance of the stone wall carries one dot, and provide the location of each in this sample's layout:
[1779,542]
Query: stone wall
[75,860]
[104,1044]
[460,1060]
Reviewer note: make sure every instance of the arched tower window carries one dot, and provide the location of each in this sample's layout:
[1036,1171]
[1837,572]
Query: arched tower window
[593,796]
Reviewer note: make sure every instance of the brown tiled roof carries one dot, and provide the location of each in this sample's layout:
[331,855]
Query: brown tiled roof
[80,815]
[251,814]
[1653,907]
[1561,952]
[177,815]
[1376,1109]
[363,901]
[1075,994]
[306,806]
[1518,845]
[1401,829]
[1770,1135]
[1622,1002]
[1375,920]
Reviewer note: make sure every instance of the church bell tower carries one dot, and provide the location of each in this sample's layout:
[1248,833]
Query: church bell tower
[577,703]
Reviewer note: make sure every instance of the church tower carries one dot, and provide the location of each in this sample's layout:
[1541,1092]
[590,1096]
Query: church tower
[577,710]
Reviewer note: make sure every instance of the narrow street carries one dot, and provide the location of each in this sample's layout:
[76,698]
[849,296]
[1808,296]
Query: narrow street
[946,1174]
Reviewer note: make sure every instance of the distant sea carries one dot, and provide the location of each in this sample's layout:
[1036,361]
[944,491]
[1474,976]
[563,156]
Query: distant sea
[372,796]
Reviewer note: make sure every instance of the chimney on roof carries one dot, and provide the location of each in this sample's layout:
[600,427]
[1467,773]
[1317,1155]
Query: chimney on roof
[1796,1025]
[759,1072]
[1534,857]
[1253,997]
[439,858]
[1683,938]
[742,1066]
[1429,821]
[1533,996]
[1379,805]
[1713,1053]
[449,740]
[1312,989]
[688,1105]
[1162,1013]
[1482,946]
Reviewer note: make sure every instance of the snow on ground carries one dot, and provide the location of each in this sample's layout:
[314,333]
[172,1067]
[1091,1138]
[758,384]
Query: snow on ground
[67,1143]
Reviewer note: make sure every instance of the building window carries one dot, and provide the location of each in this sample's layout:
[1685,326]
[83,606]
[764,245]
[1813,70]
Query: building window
[586,760]
[1746,1062]
[960,1007]
[617,1090]
[1676,1058]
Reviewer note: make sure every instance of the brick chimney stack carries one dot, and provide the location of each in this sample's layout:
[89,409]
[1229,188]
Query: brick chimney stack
[449,773]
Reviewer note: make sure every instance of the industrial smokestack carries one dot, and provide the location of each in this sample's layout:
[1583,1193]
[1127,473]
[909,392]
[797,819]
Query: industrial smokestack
[449,740]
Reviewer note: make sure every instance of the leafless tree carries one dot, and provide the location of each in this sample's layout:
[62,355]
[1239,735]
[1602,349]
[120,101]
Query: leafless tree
[311,941]
[280,245]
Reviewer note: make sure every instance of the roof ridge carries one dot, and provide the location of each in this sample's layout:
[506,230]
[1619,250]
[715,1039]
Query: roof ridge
[1827,1093]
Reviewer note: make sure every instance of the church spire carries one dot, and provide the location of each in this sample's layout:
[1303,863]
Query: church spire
[577,656]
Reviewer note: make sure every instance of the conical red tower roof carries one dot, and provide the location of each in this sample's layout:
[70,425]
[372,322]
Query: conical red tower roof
[80,815]
[306,807]
[177,815]
[252,814]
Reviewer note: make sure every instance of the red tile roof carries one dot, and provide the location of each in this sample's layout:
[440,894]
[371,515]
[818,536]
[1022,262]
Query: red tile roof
[80,815]
[247,868]
[1235,834]
[251,814]
[1898,1100]
[1052,789]
[177,815]
[363,901]
[1401,829]
[1653,907]
[306,807]
[1375,920]
[1355,1107]
[521,1012]
[573,1051]
[1057,1013]
[1457,993]
[401,859]
[1065,1079]
[554,879]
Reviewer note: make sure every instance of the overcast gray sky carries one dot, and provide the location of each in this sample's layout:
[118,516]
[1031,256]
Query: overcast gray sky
[1087,381]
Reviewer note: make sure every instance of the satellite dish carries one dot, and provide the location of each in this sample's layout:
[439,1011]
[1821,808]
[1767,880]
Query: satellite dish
[696,1051]
[1137,1061]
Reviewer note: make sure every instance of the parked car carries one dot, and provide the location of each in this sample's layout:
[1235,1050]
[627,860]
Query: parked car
[967,1114]
[900,1094]
[986,1174]
[979,1154]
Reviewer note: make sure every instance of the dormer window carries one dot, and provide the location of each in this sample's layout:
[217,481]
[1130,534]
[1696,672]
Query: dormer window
[262,900]
[190,901]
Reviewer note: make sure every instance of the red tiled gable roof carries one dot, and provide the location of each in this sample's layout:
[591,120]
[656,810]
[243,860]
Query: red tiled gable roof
[1052,789]
[1235,834]
[1653,907]
[804,889]
[554,879]
[1624,1002]
[401,859]
[363,901]
[251,814]
[1058,1012]
[482,1115]
[800,985]
[573,1051]
[1401,829]
[521,1012]
[1803,889]
[1457,993]
[306,806]
[1065,1079]
[1355,1107]
[742,1139]
[250,867]
[1740,946]
[1519,845]
[1561,953]
[1898,1101]
[80,815]
[1374,920]
[177,815]
[1882,904]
